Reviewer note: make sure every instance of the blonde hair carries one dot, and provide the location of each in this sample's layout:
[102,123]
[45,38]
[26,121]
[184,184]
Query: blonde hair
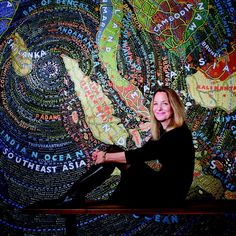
[178,112]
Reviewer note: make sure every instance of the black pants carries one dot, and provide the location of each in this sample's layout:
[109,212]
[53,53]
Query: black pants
[138,184]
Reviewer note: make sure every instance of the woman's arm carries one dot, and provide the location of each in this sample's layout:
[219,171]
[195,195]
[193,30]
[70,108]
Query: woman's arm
[103,157]
[146,152]
[118,157]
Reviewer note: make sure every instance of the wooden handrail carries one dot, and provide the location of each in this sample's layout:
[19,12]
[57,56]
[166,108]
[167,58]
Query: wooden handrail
[188,207]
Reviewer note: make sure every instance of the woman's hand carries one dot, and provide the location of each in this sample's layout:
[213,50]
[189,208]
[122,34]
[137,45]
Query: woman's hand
[99,157]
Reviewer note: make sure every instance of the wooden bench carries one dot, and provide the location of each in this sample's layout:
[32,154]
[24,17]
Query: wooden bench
[96,208]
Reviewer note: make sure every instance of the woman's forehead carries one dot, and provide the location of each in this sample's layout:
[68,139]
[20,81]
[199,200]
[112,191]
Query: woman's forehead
[160,96]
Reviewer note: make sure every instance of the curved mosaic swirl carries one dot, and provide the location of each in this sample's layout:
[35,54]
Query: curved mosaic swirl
[80,75]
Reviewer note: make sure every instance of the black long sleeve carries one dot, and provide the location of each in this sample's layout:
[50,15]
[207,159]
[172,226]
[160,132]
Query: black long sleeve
[141,184]
[175,152]
[175,144]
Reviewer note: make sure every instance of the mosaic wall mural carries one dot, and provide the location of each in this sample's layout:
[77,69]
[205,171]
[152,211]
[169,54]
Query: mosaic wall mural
[80,75]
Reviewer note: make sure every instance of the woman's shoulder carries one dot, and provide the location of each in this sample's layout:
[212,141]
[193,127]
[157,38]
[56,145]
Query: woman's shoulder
[184,127]
[180,130]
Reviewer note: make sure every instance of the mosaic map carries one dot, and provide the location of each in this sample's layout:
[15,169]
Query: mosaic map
[79,75]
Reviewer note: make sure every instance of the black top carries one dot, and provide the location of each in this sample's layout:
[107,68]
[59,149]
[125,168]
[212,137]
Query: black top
[175,151]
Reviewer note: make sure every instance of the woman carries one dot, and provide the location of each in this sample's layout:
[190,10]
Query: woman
[140,185]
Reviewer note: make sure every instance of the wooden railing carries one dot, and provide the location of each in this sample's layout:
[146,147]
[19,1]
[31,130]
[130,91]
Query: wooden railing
[215,207]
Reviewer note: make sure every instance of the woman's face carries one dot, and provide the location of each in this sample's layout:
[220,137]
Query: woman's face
[162,109]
